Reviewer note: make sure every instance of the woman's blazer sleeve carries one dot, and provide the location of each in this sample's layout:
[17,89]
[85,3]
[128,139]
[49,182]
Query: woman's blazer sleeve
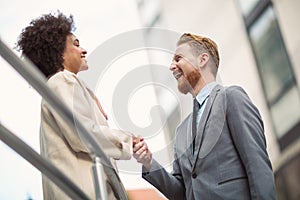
[115,143]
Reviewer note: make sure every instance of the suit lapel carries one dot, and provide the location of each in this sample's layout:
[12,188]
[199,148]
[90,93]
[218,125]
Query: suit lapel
[94,103]
[189,139]
[201,136]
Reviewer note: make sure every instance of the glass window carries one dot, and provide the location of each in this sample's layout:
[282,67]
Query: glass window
[275,71]
[286,112]
[247,6]
[270,52]
[288,180]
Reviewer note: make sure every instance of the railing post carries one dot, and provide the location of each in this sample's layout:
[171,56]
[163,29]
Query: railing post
[99,181]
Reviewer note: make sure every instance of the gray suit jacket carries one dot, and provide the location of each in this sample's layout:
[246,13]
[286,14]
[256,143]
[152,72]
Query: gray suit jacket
[230,160]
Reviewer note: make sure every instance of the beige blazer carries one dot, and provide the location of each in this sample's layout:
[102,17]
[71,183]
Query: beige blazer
[63,146]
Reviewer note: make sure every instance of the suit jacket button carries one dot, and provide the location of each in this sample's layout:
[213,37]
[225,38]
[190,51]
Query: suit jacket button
[194,175]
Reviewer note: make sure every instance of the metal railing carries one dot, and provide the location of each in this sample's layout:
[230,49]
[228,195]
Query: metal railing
[41,164]
[101,162]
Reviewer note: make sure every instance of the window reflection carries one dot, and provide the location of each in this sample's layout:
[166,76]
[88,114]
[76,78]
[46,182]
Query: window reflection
[285,112]
[276,72]
[247,6]
[287,180]
[273,62]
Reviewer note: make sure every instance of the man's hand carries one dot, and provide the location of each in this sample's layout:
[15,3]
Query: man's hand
[135,139]
[142,154]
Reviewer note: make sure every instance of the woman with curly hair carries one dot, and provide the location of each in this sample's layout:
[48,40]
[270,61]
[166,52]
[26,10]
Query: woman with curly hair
[50,44]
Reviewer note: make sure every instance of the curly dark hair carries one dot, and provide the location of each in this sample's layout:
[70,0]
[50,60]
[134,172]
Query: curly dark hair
[44,41]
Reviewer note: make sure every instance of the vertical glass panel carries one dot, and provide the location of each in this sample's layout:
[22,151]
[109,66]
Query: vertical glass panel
[276,72]
[286,112]
[273,62]
[288,180]
[280,186]
[247,6]
[292,177]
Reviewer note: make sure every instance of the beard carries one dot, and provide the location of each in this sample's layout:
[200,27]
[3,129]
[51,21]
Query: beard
[188,82]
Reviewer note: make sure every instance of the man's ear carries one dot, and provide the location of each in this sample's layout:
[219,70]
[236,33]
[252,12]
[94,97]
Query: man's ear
[203,58]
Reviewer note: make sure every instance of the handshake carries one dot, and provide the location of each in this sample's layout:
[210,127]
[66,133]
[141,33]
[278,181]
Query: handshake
[141,152]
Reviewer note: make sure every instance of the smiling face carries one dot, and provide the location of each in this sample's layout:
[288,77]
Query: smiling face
[74,55]
[185,69]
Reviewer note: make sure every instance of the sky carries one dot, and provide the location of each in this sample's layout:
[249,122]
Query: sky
[96,22]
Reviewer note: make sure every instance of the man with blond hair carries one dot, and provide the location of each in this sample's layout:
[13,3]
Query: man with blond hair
[220,148]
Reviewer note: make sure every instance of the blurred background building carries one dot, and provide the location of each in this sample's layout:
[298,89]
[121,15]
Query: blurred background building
[259,47]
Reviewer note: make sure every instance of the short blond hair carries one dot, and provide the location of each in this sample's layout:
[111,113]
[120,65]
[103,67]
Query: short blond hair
[201,44]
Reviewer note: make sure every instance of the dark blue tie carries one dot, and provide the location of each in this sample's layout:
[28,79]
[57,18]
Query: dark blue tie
[196,108]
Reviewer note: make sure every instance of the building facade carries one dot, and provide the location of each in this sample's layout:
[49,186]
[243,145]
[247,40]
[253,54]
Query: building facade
[259,49]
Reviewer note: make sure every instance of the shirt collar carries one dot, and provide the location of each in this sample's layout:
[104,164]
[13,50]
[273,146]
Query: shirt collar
[70,72]
[204,93]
